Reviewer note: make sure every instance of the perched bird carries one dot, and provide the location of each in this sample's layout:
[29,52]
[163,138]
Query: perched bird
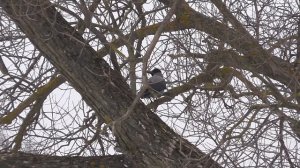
[156,82]
[3,68]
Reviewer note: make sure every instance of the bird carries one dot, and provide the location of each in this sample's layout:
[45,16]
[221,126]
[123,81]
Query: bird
[156,82]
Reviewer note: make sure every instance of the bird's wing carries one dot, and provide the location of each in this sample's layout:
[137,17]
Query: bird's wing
[155,79]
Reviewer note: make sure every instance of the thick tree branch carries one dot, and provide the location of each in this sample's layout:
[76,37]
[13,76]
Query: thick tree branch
[9,160]
[236,38]
[32,116]
[41,92]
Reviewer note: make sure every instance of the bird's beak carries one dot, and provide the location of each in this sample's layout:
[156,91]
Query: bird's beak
[148,72]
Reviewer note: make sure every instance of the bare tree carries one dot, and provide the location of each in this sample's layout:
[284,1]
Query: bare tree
[73,73]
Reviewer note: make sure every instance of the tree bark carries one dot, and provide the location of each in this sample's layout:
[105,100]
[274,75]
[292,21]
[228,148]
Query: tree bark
[142,135]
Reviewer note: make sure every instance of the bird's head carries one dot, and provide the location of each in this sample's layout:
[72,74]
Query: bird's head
[154,71]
